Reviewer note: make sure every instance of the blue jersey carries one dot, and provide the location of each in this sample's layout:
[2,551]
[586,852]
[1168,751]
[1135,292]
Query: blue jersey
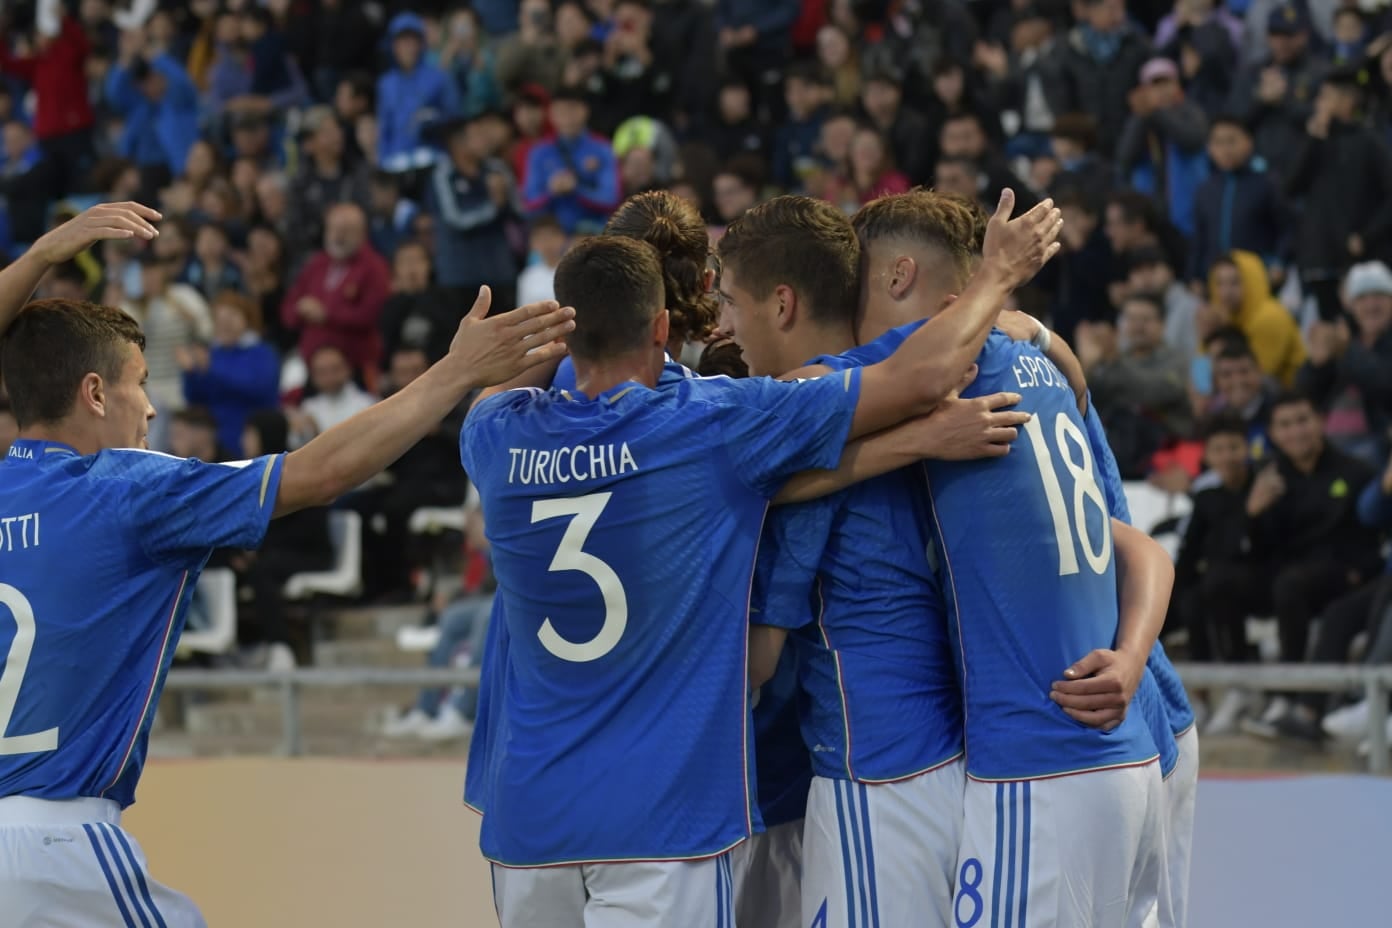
[99,556]
[489,703]
[782,762]
[1029,577]
[1179,715]
[625,679]
[848,575]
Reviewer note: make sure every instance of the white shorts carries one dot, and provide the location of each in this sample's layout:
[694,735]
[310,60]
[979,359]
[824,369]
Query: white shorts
[882,854]
[680,894]
[767,872]
[69,865]
[1181,791]
[1080,851]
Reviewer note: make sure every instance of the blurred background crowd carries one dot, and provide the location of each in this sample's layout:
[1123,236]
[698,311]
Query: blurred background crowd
[338,178]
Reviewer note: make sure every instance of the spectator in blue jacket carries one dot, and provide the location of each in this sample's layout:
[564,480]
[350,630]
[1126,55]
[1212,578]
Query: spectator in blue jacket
[410,97]
[238,375]
[159,103]
[1161,150]
[1238,206]
[471,196]
[574,176]
[808,93]
[756,37]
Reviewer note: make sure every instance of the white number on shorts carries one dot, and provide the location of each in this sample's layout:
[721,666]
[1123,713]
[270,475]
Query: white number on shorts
[1067,435]
[12,677]
[569,556]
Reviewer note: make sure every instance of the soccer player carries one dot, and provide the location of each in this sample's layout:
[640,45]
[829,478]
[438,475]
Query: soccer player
[623,778]
[82,500]
[885,720]
[988,607]
[931,241]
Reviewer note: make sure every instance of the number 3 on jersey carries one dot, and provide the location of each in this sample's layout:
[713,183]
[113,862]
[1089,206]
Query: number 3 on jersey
[1067,435]
[571,556]
[12,677]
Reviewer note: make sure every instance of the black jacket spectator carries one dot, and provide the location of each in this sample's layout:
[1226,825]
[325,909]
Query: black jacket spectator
[1099,71]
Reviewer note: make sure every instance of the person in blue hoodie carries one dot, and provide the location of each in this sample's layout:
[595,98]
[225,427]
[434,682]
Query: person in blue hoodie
[238,374]
[152,92]
[574,176]
[1161,149]
[411,97]
[1238,207]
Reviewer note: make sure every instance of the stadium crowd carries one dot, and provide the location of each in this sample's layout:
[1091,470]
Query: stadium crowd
[338,179]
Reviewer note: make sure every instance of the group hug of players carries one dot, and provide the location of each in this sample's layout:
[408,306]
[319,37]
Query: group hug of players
[868,644]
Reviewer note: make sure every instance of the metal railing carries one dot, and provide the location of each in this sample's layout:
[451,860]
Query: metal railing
[1376,683]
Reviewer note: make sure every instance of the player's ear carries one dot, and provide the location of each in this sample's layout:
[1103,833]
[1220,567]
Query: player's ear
[91,394]
[662,328]
[902,274]
[708,280]
[788,306]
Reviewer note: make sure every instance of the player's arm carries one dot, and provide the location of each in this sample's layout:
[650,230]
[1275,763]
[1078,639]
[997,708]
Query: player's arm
[765,649]
[485,351]
[933,359]
[1098,689]
[20,278]
[958,430]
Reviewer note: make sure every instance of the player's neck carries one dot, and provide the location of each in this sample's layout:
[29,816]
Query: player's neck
[808,341]
[881,315]
[63,434]
[595,377]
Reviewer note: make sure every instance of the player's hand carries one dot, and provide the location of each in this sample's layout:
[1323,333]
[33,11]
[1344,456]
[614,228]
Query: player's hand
[100,222]
[1266,489]
[1021,327]
[1019,247]
[1097,690]
[489,351]
[966,430]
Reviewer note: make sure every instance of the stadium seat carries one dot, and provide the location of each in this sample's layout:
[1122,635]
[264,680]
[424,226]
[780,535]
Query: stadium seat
[344,579]
[1152,507]
[218,588]
[431,520]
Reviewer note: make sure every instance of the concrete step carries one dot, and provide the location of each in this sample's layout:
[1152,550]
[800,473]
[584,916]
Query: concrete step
[316,744]
[373,622]
[348,717]
[1241,752]
[365,652]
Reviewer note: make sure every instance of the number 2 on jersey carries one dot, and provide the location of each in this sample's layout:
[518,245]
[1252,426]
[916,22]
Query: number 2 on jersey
[12,677]
[571,556]
[1067,435]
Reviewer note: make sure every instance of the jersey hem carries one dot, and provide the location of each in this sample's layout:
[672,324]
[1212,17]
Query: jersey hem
[1154,758]
[908,776]
[473,808]
[618,860]
[1181,732]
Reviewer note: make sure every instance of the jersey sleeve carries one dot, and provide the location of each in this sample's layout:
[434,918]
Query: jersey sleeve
[795,537]
[180,506]
[478,437]
[773,429]
[1107,471]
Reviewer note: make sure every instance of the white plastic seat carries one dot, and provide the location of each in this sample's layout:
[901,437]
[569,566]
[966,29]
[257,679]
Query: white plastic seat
[218,589]
[344,579]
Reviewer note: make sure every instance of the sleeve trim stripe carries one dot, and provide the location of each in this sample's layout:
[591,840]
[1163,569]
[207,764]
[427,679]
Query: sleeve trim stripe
[266,479]
[846,381]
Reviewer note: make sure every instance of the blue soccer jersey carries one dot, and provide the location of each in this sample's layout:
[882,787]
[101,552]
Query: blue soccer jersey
[672,372]
[1030,579]
[848,575]
[99,556]
[1169,688]
[625,679]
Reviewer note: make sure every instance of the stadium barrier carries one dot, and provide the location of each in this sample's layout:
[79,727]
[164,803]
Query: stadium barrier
[1376,683]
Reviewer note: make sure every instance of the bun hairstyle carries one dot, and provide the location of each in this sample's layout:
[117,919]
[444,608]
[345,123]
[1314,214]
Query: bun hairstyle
[675,229]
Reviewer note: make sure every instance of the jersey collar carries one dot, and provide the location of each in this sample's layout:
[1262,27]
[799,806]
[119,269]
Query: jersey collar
[33,449]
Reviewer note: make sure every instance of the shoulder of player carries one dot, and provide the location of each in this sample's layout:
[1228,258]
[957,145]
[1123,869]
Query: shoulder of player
[141,465]
[509,401]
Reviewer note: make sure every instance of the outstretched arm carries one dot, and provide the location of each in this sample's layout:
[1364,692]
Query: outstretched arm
[485,351]
[21,278]
[958,430]
[1025,328]
[1097,690]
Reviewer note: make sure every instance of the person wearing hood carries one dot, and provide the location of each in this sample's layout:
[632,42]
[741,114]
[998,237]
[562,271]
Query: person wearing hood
[1240,295]
[1238,206]
[1161,151]
[411,96]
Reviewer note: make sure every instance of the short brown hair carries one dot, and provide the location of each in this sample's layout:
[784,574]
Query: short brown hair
[798,242]
[52,345]
[676,230]
[954,225]
[615,285]
[249,308]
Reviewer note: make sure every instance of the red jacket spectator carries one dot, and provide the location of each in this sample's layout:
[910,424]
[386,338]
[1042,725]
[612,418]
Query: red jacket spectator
[56,72]
[338,296]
